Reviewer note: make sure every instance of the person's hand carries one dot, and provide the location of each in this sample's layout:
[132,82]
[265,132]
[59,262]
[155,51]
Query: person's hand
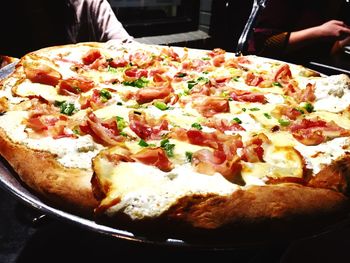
[333,29]
[340,45]
[344,42]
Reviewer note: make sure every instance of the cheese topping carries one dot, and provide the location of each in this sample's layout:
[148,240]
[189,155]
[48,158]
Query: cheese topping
[151,192]
[332,93]
[72,153]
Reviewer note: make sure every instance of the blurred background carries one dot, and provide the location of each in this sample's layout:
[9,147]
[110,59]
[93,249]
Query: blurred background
[197,23]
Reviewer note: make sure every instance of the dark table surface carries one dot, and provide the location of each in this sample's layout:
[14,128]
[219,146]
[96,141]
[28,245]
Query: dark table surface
[337,64]
[52,240]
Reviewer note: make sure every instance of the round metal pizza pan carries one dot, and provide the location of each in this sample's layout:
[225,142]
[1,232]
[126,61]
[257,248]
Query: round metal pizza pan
[10,181]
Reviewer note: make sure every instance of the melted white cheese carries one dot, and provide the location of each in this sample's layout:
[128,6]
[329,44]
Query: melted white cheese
[332,93]
[28,88]
[320,155]
[72,153]
[151,192]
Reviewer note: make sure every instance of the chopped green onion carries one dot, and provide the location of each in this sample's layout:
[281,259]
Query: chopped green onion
[254,109]
[111,69]
[308,107]
[142,143]
[237,120]
[168,147]
[189,156]
[180,75]
[139,83]
[123,134]
[284,122]
[160,105]
[121,123]
[105,95]
[268,116]
[300,110]
[276,84]
[65,107]
[197,126]
[191,84]
[203,79]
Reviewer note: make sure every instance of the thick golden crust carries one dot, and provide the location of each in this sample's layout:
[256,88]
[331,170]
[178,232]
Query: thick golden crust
[68,188]
[335,176]
[256,204]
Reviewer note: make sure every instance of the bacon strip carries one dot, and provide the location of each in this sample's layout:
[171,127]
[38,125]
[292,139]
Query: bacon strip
[149,94]
[316,131]
[247,96]
[209,106]
[147,129]
[155,157]
[104,132]
[42,73]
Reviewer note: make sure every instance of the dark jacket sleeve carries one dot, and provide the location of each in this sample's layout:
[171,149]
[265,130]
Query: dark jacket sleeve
[271,32]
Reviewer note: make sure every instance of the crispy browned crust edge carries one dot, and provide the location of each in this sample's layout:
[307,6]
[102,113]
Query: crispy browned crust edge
[258,214]
[255,204]
[67,188]
[324,195]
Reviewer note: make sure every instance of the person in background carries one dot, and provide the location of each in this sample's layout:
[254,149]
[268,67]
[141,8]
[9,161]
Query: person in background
[299,31]
[31,25]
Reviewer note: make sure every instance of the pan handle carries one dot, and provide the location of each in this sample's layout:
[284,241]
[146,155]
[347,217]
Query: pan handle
[258,5]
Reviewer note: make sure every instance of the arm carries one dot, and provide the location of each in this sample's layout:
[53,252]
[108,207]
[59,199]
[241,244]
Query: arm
[331,30]
[106,22]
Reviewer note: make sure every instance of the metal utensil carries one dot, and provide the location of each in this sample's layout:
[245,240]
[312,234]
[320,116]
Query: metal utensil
[7,70]
[258,5]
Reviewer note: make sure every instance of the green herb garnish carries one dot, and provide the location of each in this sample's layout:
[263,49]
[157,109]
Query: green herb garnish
[65,107]
[237,120]
[180,75]
[203,79]
[189,156]
[105,95]
[168,147]
[142,143]
[111,69]
[191,84]
[268,116]
[254,109]
[308,107]
[300,110]
[121,123]
[276,84]
[284,122]
[197,126]
[160,105]
[139,83]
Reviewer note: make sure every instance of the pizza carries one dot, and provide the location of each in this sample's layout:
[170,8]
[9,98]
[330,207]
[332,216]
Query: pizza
[138,135]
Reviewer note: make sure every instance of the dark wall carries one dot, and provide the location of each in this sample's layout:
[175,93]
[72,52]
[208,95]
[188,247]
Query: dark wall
[228,18]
